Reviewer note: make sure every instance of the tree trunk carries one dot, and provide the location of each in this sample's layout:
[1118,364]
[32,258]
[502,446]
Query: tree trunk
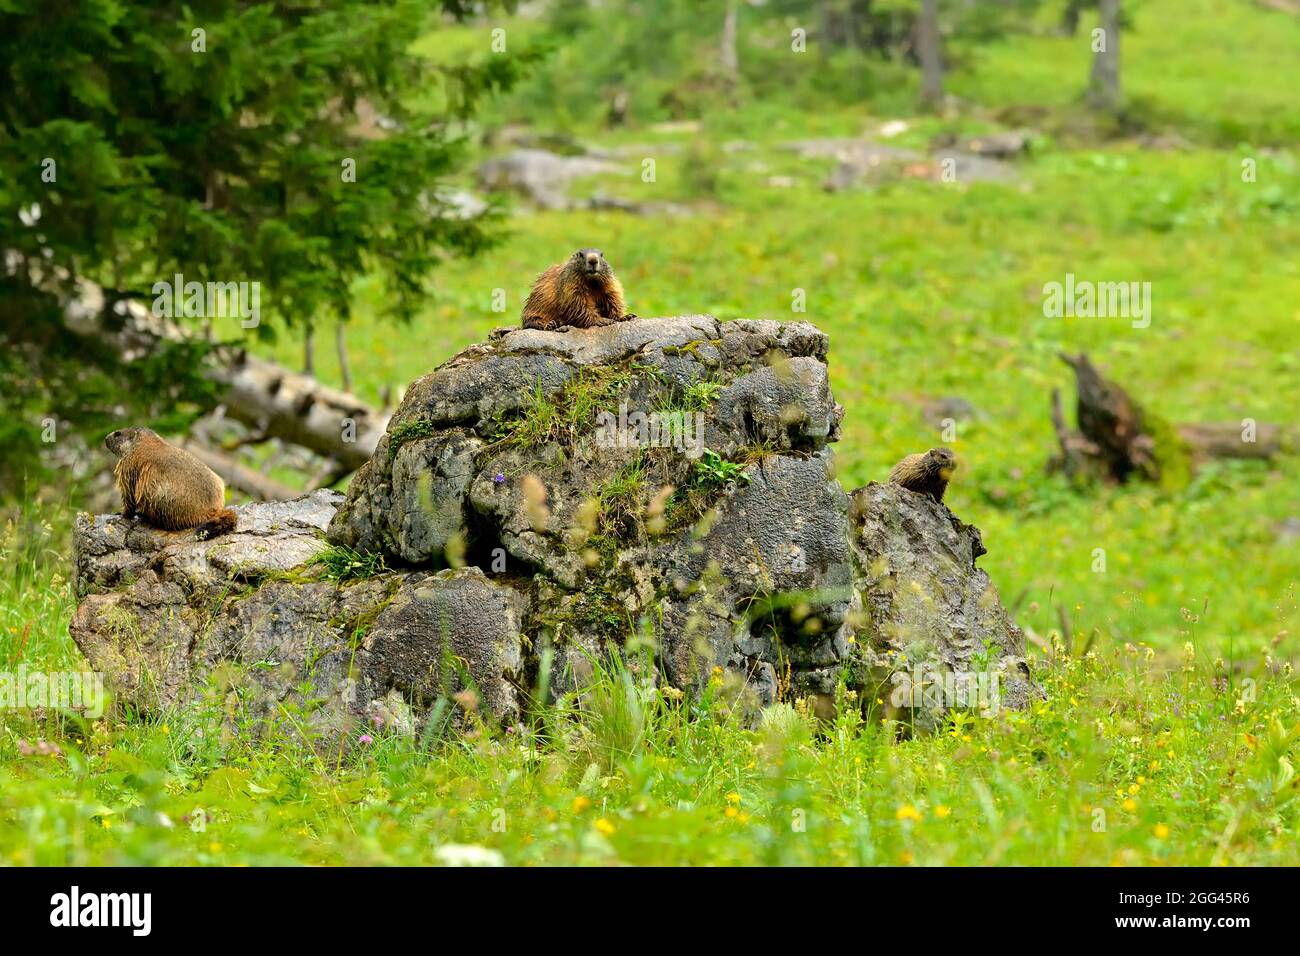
[345,368]
[830,28]
[1103,87]
[309,350]
[928,50]
[1070,17]
[728,58]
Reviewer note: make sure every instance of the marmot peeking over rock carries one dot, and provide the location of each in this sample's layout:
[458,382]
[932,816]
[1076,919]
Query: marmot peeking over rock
[167,486]
[926,473]
[581,293]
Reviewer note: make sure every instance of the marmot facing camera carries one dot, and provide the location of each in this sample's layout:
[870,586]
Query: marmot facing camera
[581,293]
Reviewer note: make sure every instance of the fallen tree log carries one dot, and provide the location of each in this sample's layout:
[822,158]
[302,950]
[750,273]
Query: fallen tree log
[254,484]
[268,398]
[1235,440]
[1117,439]
[297,408]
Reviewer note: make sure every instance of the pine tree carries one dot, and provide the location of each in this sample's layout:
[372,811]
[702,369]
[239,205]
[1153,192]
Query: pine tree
[288,144]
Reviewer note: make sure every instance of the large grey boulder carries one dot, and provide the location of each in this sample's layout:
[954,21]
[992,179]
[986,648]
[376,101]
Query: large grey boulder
[574,502]
[661,487]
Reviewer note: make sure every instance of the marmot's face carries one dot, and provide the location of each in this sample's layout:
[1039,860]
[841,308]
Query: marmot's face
[942,462]
[123,440]
[591,262]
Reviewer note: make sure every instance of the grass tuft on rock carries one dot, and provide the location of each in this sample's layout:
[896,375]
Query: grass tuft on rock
[338,562]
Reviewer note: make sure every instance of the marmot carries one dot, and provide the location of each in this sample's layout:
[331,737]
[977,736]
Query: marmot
[167,486]
[582,293]
[927,473]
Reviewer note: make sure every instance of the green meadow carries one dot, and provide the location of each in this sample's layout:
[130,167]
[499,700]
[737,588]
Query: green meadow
[1164,620]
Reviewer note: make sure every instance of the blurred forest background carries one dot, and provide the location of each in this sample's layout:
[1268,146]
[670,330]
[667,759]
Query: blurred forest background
[911,173]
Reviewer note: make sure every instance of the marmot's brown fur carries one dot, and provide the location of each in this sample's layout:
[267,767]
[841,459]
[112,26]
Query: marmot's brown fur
[582,293]
[167,486]
[926,473]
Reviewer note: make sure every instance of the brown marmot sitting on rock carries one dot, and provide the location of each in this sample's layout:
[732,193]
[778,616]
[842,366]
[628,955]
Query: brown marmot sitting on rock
[167,486]
[926,473]
[581,293]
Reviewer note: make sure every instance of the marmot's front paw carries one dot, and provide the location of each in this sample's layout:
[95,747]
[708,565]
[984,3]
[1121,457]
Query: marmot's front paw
[629,315]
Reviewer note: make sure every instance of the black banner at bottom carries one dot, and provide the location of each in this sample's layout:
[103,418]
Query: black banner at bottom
[336,905]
